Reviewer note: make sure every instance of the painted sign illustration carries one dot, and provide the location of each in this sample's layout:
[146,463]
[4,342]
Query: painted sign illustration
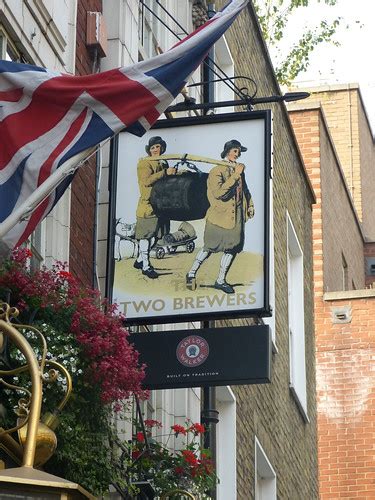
[191,219]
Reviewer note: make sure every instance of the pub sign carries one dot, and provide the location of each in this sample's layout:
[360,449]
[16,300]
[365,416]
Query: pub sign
[190,219]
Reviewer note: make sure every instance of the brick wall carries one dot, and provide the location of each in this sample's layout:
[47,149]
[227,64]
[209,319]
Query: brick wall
[82,234]
[367,155]
[345,380]
[339,220]
[341,111]
[334,216]
[269,411]
[346,396]
[354,143]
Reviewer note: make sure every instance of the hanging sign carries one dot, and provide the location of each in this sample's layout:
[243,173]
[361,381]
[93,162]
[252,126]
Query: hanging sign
[191,219]
[205,357]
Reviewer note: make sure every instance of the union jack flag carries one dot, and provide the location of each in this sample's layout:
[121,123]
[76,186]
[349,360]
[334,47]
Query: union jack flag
[48,117]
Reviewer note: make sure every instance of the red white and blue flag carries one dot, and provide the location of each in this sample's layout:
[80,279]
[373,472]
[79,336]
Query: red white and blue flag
[47,117]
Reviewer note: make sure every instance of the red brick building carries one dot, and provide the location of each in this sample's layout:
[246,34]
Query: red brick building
[335,138]
[83,194]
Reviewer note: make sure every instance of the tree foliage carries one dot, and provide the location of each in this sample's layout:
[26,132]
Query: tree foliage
[274,17]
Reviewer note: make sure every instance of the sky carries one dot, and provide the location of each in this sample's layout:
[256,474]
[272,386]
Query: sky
[353,61]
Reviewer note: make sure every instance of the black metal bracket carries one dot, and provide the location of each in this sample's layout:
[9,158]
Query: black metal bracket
[249,102]
[244,91]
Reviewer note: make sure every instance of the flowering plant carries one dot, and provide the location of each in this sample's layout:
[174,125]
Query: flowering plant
[87,336]
[189,467]
[54,296]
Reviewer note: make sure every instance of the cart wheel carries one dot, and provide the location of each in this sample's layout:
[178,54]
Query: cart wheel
[160,252]
[172,249]
[190,246]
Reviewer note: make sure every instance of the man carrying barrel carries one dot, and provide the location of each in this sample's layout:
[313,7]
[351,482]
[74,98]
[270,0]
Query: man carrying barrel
[230,207]
[149,227]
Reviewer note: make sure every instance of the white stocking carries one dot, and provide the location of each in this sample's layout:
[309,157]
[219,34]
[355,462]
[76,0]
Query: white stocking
[199,259]
[144,249]
[226,261]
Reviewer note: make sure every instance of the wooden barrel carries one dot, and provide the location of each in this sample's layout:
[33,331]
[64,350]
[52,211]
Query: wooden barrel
[181,197]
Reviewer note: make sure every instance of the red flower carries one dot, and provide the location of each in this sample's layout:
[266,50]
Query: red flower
[197,429]
[189,457]
[66,275]
[140,437]
[178,429]
[179,470]
[135,454]
[150,423]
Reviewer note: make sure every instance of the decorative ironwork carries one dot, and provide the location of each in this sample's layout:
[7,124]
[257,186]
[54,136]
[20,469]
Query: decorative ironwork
[37,440]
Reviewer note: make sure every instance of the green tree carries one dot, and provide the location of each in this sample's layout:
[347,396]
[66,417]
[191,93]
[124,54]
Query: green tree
[274,17]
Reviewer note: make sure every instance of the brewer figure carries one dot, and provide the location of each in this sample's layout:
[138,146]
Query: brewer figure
[149,227]
[230,207]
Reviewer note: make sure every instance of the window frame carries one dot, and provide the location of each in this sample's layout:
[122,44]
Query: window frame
[5,42]
[265,475]
[296,320]
[226,449]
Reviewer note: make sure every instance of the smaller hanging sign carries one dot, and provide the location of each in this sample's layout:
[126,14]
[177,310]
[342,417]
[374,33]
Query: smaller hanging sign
[205,357]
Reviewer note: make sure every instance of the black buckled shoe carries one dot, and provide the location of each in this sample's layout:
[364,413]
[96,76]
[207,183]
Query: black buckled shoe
[150,273]
[224,287]
[191,282]
[138,265]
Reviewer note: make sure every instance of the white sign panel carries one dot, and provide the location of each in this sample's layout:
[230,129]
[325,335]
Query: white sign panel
[191,236]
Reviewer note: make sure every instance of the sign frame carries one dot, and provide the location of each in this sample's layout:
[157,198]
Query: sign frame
[166,125]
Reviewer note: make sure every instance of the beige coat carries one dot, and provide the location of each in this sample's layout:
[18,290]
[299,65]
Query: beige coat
[148,171]
[221,193]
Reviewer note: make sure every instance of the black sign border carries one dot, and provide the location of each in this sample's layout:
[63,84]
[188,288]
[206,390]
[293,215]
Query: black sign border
[266,311]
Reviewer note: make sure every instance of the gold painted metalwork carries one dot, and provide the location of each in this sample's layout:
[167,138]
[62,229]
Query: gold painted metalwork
[46,443]
[37,440]
[28,481]
[36,380]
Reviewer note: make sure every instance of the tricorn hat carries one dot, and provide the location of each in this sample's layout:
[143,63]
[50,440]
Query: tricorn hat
[231,145]
[156,140]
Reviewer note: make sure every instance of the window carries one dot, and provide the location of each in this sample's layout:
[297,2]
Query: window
[265,476]
[36,247]
[223,90]
[271,321]
[226,443]
[150,28]
[370,266]
[8,50]
[296,319]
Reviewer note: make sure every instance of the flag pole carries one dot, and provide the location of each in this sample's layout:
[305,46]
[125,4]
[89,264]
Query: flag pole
[44,190]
